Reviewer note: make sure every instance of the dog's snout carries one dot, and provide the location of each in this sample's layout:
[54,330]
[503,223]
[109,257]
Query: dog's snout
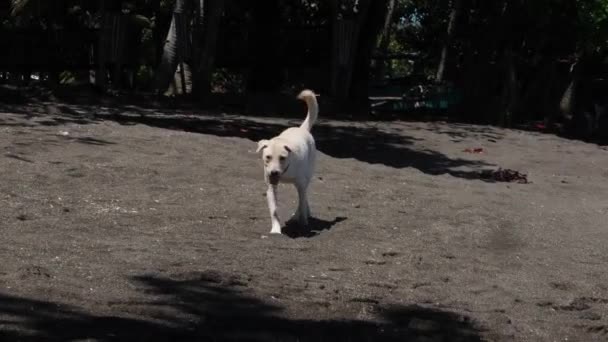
[274,173]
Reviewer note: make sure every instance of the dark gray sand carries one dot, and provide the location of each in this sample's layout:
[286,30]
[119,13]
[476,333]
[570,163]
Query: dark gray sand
[132,224]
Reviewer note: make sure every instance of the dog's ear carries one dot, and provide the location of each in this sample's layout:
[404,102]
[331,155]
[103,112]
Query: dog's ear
[262,144]
[287,148]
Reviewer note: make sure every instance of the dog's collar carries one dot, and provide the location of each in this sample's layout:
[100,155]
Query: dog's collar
[286,169]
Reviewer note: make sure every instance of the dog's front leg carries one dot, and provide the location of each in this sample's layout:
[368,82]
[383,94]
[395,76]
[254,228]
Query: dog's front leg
[271,196]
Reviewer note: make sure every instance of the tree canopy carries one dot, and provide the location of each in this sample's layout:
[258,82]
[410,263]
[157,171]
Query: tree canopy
[503,62]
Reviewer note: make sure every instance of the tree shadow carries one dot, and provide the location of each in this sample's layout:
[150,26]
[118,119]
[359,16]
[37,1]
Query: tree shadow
[461,131]
[216,307]
[91,141]
[18,157]
[358,141]
[374,146]
[47,114]
[25,319]
[315,226]
[338,139]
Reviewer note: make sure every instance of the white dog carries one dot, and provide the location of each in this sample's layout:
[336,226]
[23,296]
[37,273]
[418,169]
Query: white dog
[290,158]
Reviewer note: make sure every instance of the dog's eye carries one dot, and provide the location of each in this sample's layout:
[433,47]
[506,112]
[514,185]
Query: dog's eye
[268,158]
[281,158]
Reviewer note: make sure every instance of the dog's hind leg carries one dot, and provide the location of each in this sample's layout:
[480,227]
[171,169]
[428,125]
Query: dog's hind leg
[271,196]
[303,212]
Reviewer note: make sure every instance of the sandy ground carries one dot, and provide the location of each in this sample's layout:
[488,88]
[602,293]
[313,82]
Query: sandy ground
[127,223]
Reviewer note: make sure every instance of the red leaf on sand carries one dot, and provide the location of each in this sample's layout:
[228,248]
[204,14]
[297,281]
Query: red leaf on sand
[473,150]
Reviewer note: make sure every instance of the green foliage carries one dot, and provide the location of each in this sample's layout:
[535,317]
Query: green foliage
[593,24]
[537,39]
[19,7]
[227,81]
[67,77]
[145,76]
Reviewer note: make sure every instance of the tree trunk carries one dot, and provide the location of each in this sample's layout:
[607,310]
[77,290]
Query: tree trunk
[577,103]
[265,74]
[117,47]
[156,32]
[198,29]
[385,39]
[102,49]
[568,100]
[510,94]
[176,46]
[355,30]
[346,30]
[368,41]
[537,96]
[444,60]
[487,86]
[212,21]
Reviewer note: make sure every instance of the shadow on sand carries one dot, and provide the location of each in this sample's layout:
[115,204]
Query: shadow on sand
[358,140]
[214,307]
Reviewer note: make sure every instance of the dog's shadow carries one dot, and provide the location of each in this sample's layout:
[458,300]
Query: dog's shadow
[315,226]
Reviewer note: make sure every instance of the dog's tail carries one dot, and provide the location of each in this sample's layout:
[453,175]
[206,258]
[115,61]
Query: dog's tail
[310,98]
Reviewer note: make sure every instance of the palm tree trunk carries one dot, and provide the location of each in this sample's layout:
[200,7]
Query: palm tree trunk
[443,62]
[368,41]
[198,29]
[212,19]
[118,46]
[510,94]
[174,48]
[265,74]
[346,33]
[567,102]
[156,33]
[385,39]
[102,49]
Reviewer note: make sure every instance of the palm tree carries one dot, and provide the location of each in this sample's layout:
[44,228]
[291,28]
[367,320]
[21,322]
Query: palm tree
[176,49]
[385,38]
[207,42]
[444,60]
[356,26]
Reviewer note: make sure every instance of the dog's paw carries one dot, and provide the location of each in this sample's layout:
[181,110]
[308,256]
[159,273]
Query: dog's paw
[273,236]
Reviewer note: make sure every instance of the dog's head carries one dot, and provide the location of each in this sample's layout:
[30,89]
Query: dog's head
[276,157]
